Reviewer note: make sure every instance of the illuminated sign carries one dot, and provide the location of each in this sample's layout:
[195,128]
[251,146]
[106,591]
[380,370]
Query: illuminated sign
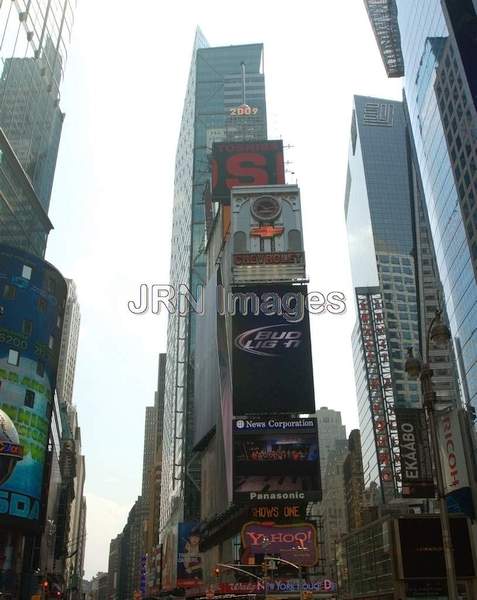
[244,110]
[416,466]
[276,460]
[451,449]
[245,163]
[269,258]
[275,586]
[271,357]
[380,389]
[278,511]
[28,367]
[266,231]
[296,543]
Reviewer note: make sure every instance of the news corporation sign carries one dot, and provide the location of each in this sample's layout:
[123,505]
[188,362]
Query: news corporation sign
[242,425]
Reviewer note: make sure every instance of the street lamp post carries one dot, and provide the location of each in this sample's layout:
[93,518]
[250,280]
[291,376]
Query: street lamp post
[298,567]
[439,334]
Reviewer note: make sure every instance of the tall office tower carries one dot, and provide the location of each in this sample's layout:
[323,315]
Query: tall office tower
[435,41]
[330,431]
[354,482]
[333,505]
[150,429]
[215,86]
[34,41]
[69,345]
[114,564]
[74,567]
[395,283]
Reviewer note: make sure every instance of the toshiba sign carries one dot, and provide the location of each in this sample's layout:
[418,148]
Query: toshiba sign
[451,448]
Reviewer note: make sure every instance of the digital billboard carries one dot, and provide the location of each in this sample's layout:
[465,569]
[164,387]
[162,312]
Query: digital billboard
[276,459]
[189,559]
[295,542]
[272,369]
[422,549]
[245,163]
[416,466]
[32,296]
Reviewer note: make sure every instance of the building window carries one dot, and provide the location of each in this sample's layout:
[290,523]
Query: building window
[240,242]
[294,240]
[40,368]
[27,327]
[42,304]
[9,291]
[26,272]
[29,399]
[13,357]
[51,285]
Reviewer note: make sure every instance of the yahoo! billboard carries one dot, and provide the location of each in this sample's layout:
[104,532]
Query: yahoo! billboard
[295,543]
[272,367]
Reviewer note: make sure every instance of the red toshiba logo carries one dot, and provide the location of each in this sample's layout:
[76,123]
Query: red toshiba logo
[266,231]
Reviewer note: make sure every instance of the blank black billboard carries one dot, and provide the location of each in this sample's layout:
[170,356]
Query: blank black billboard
[422,550]
[271,361]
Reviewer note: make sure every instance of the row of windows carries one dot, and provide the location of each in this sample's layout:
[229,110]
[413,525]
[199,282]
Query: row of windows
[10,292]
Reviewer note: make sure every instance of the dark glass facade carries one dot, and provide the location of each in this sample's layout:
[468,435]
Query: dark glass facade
[380,224]
[214,88]
[440,91]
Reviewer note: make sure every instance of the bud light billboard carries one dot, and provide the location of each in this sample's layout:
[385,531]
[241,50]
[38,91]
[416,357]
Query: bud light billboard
[276,459]
[245,163]
[32,300]
[272,367]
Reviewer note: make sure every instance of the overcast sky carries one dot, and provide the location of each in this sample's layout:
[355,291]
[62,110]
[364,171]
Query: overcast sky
[112,199]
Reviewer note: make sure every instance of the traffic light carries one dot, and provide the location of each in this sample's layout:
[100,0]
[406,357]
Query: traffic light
[45,585]
[217,572]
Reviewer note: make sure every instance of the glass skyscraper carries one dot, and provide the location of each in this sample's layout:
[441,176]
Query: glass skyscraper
[437,42]
[218,80]
[33,52]
[397,290]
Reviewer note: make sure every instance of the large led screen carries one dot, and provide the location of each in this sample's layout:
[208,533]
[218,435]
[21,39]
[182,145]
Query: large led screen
[272,366]
[276,459]
[245,163]
[32,296]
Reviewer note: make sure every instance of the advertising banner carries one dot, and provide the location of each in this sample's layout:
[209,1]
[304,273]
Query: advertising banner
[451,448]
[277,586]
[422,551]
[33,298]
[416,465]
[272,366]
[245,163]
[276,459]
[296,543]
[189,559]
